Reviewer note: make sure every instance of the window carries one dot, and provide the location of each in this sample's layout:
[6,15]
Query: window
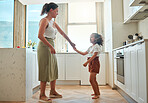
[6,23]
[33,18]
[81,23]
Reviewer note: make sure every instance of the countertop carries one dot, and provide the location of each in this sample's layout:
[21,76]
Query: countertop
[71,52]
[34,50]
[134,43]
[76,53]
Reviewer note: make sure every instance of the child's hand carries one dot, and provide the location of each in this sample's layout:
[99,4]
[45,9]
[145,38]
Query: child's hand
[75,48]
[85,64]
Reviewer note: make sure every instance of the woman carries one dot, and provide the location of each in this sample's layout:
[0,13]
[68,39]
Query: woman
[48,69]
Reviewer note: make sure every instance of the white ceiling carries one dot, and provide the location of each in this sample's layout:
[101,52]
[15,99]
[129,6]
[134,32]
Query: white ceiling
[29,2]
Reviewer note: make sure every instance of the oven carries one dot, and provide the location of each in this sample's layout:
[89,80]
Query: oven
[120,65]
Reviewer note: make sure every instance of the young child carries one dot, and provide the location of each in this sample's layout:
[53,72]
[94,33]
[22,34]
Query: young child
[93,61]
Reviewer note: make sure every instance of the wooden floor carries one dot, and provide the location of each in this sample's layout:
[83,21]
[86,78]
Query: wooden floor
[80,94]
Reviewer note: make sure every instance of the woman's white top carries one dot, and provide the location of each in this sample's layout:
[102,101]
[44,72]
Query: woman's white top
[92,49]
[50,31]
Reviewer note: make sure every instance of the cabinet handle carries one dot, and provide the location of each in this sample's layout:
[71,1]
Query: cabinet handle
[119,57]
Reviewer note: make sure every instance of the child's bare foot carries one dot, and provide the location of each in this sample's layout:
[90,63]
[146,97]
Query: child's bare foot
[95,97]
[94,94]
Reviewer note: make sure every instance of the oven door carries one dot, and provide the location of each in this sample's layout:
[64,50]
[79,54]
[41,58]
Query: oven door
[120,69]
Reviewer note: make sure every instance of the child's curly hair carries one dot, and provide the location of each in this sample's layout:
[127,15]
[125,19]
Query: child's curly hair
[98,39]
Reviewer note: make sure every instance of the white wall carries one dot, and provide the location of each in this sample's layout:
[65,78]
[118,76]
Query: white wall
[120,30]
[108,38]
[116,32]
[143,27]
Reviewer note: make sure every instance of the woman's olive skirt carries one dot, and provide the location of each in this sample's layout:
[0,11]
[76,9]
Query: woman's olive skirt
[47,62]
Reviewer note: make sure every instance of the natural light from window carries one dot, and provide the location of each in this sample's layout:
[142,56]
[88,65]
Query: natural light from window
[6,23]
[80,35]
[33,18]
[81,23]
[81,12]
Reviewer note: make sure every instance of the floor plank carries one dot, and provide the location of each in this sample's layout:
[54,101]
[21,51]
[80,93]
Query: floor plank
[79,94]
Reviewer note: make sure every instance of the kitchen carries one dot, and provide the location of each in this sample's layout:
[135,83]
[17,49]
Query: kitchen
[116,20]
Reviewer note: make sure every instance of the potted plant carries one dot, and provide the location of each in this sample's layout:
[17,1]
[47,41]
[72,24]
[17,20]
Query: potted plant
[33,44]
[29,44]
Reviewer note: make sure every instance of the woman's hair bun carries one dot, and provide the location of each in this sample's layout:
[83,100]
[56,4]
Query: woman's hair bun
[46,7]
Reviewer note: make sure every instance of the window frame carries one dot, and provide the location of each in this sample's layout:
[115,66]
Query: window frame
[86,23]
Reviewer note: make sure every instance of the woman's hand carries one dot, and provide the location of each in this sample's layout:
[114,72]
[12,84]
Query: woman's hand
[73,45]
[75,49]
[85,64]
[52,50]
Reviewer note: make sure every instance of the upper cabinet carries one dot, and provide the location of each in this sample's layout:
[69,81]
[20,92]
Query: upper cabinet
[134,13]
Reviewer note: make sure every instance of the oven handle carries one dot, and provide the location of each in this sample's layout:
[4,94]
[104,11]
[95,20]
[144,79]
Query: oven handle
[119,57]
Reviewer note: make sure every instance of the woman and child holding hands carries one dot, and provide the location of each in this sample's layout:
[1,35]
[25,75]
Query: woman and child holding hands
[47,62]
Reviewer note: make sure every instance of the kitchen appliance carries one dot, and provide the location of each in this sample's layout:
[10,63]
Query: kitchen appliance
[143,2]
[139,2]
[141,15]
[120,65]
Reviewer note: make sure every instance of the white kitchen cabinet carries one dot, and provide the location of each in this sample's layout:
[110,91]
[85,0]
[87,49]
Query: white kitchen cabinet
[34,64]
[130,71]
[135,62]
[84,72]
[133,67]
[141,95]
[61,66]
[101,77]
[130,11]
[73,65]
[103,65]
[115,62]
[126,9]
[68,66]
[127,71]
[131,1]
[115,68]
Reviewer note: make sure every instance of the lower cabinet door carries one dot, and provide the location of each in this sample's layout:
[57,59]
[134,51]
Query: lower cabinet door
[73,66]
[61,66]
[133,62]
[34,63]
[141,67]
[127,71]
[84,72]
[101,77]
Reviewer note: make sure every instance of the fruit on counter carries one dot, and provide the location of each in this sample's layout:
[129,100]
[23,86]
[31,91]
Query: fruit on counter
[18,46]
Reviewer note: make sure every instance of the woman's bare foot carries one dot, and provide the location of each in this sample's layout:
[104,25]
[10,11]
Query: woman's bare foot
[54,94]
[92,94]
[95,97]
[45,98]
